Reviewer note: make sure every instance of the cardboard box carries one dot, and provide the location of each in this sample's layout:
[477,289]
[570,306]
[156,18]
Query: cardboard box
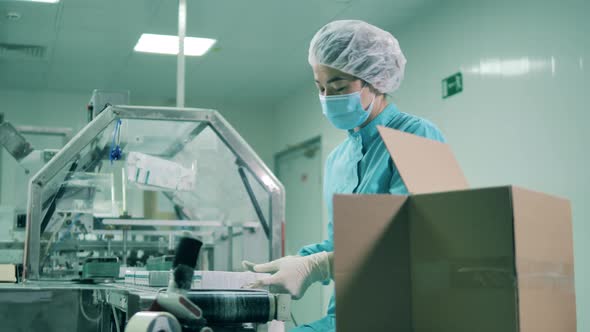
[449,258]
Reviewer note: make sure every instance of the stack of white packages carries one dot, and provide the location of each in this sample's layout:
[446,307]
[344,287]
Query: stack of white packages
[220,280]
[148,171]
[152,278]
[225,280]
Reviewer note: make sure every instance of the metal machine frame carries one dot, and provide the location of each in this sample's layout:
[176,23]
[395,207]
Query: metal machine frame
[64,133]
[243,152]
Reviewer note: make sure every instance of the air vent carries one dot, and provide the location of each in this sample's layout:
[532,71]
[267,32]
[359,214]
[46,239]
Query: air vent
[16,51]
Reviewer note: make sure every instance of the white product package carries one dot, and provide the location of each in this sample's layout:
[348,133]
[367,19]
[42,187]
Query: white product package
[219,280]
[226,280]
[149,171]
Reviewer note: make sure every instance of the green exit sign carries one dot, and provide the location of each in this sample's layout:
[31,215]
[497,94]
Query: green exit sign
[452,85]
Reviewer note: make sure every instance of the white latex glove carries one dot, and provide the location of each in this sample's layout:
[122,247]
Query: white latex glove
[292,274]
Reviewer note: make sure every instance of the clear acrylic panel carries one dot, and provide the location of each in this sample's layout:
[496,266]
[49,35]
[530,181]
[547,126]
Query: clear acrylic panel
[172,177]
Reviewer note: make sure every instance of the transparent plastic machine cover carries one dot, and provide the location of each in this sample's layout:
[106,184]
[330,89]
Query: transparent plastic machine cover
[135,179]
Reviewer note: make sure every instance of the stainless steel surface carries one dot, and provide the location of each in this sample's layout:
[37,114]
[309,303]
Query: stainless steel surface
[69,306]
[230,256]
[65,133]
[34,209]
[283,307]
[101,99]
[51,307]
[32,233]
[14,142]
[165,233]
[162,113]
[180,69]
[11,245]
[273,308]
[153,222]
[125,246]
[112,245]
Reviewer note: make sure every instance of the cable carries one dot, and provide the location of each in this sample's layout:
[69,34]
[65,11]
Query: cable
[95,320]
[116,151]
[116,318]
[293,319]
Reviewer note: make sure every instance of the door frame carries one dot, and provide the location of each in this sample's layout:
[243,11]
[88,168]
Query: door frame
[299,146]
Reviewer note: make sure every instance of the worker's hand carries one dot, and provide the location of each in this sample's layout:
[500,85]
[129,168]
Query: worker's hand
[249,266]
[293,274]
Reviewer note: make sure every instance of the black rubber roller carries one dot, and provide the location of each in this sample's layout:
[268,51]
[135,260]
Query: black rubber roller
[187,252]
[236,306]
[185,262]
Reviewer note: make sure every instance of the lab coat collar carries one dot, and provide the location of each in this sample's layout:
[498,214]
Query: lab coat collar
[369,132]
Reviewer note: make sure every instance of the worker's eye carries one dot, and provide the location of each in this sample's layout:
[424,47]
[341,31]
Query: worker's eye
[340,87]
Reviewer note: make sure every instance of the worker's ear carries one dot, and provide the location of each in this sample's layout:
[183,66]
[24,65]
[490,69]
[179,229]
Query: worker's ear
[373,90]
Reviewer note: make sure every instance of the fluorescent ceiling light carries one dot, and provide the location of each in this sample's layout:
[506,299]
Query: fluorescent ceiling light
[164,44]
[512,67]
[46,1]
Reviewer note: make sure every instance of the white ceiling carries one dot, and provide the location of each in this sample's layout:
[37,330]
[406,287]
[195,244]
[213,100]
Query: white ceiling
[261,54]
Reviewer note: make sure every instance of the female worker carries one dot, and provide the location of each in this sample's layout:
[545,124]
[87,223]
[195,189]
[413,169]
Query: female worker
[355,65]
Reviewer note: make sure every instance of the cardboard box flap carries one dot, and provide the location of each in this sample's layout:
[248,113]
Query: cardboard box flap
[356,231]
[425,165]
[544,261]
[371,249]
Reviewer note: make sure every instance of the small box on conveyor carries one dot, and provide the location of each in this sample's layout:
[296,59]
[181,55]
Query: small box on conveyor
[162,263]
[151,278]
[7,273]
[130,276]
[100,268]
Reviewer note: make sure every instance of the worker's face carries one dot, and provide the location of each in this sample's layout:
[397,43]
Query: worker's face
[331,82]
